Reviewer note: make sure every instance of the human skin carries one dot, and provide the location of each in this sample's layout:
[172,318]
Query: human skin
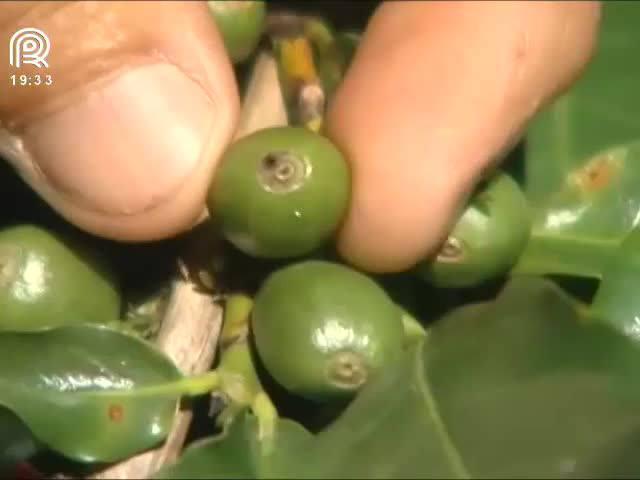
[126,140]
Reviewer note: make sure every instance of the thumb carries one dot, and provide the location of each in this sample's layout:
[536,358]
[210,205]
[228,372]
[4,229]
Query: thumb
[436,92]
[121,132]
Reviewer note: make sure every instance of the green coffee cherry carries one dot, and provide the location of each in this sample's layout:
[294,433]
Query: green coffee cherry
[280,192]
[487,240]
[241,24]
[49,280]
[324,330]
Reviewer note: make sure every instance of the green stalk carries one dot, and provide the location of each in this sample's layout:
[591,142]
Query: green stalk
[413,329]
[547,254]
[235,326]
[239,380]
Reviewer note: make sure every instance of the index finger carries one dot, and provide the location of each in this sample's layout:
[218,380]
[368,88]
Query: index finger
[436,92]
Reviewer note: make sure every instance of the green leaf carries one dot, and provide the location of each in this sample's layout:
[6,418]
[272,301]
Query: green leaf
[616,300]
[239,453]
[530,385]
[577,228]
[598,112]
[526,386]
[582,154]
[77,389]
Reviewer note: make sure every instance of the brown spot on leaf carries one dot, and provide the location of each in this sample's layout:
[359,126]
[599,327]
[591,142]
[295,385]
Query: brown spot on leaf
[598,173]
[116,413]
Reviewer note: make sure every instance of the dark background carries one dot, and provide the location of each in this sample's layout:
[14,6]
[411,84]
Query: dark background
[341,14]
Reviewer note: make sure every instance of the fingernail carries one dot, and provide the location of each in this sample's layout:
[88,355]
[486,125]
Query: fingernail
[127,146]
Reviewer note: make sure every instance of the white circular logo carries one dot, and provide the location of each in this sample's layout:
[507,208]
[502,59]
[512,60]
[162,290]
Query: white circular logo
[29,46]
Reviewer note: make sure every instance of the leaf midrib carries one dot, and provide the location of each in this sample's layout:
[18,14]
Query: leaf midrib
[431,407]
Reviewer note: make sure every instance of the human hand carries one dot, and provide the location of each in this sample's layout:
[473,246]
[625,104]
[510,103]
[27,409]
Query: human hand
[125,142]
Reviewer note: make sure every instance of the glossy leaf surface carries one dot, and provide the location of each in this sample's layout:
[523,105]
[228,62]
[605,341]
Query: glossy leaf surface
[528,385]
[582,157]
[617,300]
[239,454]
[56,383]
[577,228]
[597,113]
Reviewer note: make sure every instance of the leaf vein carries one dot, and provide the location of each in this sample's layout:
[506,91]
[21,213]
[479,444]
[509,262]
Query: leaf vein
[453,455]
